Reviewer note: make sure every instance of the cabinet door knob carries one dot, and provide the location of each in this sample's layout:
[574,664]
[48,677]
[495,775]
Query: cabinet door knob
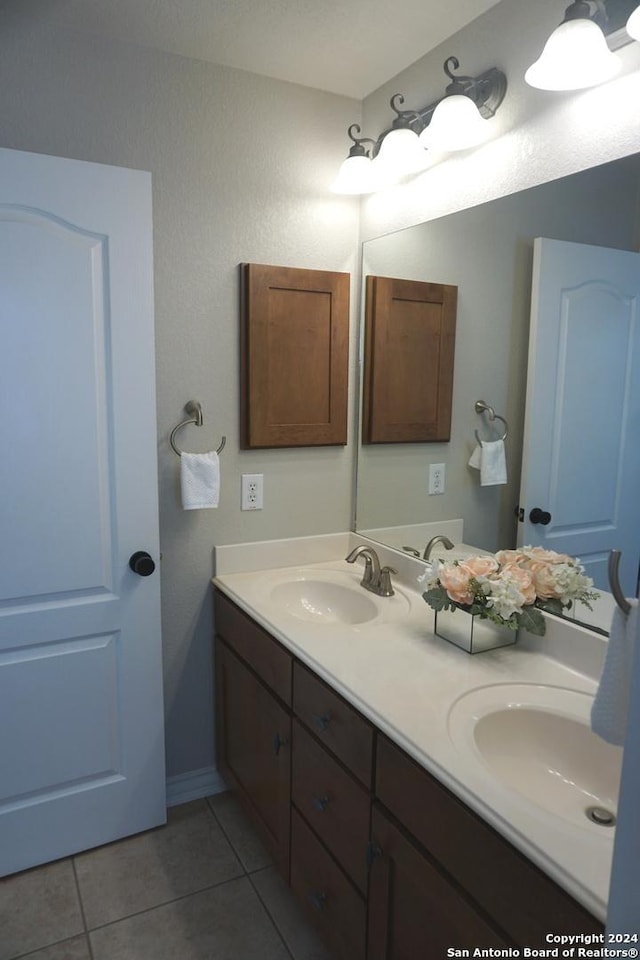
[374,851]
[317,900]
[321,721]
[278,743]
[320,803]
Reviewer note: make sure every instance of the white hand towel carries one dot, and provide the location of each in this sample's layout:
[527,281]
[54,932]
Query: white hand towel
[489,458]
[200,480]
[611,705]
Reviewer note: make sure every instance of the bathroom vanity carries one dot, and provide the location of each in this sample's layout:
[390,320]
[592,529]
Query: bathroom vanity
[386,858]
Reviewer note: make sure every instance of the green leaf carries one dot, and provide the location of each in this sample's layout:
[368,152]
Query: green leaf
[531,619]
[437,598]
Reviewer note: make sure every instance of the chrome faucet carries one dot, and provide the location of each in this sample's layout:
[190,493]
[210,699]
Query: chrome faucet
[446,543]
[375,578]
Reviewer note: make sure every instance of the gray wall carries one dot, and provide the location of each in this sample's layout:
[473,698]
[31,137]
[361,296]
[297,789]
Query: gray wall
[241,167]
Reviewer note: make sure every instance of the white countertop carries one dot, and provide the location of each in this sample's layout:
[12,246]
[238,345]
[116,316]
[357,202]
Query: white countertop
[405,680]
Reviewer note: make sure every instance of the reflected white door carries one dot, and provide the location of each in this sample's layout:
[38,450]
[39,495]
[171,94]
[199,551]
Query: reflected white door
[581,458]
[81,714]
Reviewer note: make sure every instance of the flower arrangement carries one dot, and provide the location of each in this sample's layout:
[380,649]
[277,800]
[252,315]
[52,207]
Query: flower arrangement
[511,587]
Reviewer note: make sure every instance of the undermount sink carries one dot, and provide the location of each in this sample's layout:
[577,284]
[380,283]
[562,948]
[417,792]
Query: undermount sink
[332,597]
[537,740]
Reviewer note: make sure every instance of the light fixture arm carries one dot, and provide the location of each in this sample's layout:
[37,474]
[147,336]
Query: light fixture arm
[587,10]
[404,118]
[357,150]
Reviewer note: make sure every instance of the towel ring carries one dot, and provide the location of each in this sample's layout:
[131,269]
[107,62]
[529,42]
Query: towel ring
[614,582]
[482,407]
[194,409]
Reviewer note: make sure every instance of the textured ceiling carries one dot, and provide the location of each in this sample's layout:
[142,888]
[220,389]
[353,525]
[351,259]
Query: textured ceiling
[349,47]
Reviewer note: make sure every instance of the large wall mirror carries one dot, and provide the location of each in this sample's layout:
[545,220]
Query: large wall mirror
[487,252]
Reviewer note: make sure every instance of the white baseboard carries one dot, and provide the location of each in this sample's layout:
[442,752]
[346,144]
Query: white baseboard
[194,785]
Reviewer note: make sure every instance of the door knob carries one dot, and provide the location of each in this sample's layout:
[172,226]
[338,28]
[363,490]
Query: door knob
[540,516]
[142,563]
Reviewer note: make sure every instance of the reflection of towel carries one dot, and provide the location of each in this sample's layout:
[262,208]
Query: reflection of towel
[489,458]
[200,480]
[611,705]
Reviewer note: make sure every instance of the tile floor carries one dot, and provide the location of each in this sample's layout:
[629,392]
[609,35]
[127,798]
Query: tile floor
[199,888]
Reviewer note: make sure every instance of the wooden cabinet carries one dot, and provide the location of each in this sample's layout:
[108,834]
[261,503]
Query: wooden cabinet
[294,356]
[414,908]
[253,728]
[408,367]
[387,863]
[504,884]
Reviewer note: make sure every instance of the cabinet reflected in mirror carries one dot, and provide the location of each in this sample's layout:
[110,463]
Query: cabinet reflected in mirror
[487,252]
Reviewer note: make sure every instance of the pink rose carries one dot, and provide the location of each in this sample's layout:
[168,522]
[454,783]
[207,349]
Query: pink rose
[523,580]
[480,566]
[544,579]
[455,579]
[510,557]
[547,556]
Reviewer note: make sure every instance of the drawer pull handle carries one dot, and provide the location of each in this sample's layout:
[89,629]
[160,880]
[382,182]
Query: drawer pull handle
[321,803]
[278,743]
[374,850]
[317,900]
[322,721]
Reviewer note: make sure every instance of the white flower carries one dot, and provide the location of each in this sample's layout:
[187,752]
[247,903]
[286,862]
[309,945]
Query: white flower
[503,594]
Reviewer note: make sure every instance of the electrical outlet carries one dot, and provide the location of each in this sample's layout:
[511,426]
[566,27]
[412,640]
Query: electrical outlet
[252,491]
[436,478]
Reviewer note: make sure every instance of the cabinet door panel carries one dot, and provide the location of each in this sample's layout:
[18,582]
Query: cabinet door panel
[332,904]
[413,910]
[254,753]
[332,802]
[334,722]
[265,655]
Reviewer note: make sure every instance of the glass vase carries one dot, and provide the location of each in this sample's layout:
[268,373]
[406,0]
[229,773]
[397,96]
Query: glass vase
[471,632]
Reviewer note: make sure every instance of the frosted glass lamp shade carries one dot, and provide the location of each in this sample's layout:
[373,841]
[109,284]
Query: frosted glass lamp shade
[455,125]
[401,153]
[633,24]
[575,56]
[356,175]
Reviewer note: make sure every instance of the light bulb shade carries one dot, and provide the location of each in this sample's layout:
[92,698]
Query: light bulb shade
[455,125]
[401,153]
[633,24]
[575,56]
[356,175]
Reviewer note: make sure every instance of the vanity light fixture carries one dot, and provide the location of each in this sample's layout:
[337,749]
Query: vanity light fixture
[400,150]
[576,55]
[456,123]
[633,24]
[356,175]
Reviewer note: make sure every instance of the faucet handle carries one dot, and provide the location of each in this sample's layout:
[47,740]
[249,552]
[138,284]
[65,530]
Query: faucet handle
[384,583]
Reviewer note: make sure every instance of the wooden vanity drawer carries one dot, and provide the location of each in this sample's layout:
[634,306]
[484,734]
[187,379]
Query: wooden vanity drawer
[331,903]
[332,802]
[522,900]
[258,649]
[336,724]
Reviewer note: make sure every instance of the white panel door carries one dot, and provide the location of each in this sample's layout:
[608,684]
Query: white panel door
[581,460]
[81,713]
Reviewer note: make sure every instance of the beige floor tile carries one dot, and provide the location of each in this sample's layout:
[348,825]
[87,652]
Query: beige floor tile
[240,832]
[285,912]
[189,854]
[226,922]
[38,907]
[75,949]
